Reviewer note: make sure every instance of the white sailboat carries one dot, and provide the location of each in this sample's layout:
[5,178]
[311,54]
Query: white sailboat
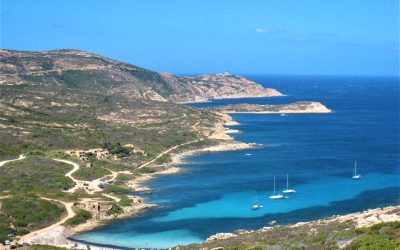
[355,175]
[287,190]
[276,196]
[255,205]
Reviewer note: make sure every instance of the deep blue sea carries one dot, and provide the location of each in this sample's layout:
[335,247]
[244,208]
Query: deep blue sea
[216,190]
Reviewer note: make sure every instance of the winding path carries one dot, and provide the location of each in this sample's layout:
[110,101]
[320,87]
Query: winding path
[91,186]
[7,161]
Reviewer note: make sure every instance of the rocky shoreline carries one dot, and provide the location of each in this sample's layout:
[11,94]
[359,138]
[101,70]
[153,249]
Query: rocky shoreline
[356,220]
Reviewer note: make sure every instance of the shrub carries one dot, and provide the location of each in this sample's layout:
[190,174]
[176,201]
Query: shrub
[115,189]
[30,212]
[374,242]
[80,217]
[144,170]
[125,201]
[115,209]
[164,159]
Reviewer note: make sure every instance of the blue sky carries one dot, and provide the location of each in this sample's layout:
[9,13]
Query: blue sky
[337,37]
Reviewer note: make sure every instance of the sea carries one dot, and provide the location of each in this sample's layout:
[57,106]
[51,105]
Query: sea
[216,190]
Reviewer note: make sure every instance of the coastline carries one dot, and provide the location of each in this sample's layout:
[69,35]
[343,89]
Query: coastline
[225,143]
[63,236]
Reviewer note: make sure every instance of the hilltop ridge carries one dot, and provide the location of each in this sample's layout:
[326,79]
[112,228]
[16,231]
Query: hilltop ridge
[83,70]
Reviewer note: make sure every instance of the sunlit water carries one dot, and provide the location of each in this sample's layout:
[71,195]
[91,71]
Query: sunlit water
[216,190]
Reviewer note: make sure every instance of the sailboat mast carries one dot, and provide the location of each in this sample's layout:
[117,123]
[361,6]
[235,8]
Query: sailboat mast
[287,181]
[274,184]
[355,167]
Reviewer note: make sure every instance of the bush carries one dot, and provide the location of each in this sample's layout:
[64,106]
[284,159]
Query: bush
[80,217]
[380,236]
[4,227]
[115,209]
[374,242]
[117,149]
[35,175]
[115,189]
[31,213]
[164,159]
[92,173]
[125,201]
[144,170]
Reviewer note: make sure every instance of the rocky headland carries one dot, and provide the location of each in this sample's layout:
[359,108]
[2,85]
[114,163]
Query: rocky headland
[291,108]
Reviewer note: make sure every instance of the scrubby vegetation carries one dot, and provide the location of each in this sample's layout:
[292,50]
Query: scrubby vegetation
[117,149]
[5,229]
[114,210]
[381,236]
[164,159]
[112,165]
[91,173]
[144,170]
[35,175]
[27,213]
[313,236]
[81,216]
[116,189]
[125,201]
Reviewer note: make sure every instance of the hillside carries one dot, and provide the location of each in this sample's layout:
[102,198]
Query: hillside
[82,70]
[66,99]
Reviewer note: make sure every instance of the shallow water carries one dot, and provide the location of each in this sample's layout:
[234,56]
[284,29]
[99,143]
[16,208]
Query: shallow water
[215,192]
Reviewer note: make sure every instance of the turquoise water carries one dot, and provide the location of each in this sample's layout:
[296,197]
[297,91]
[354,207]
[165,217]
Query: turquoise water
[216,190]
[317,193]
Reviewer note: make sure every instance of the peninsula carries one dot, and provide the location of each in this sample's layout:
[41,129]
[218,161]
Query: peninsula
[291,108]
